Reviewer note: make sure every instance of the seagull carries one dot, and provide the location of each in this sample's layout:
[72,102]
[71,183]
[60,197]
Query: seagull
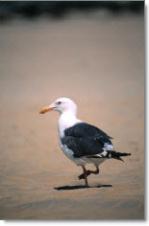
[80,141]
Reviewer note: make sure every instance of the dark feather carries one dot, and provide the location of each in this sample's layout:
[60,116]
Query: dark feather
[85,140]
[86,130]
[111,154]
[82,146]
[88,141]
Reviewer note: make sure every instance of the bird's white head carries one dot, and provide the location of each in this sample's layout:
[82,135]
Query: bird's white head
[62,104]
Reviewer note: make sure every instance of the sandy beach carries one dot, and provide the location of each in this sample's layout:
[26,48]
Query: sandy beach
[100,64]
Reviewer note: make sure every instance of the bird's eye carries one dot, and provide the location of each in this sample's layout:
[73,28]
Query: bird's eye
[59,102]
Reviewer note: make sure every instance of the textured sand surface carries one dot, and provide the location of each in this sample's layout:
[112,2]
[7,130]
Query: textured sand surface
[100,64]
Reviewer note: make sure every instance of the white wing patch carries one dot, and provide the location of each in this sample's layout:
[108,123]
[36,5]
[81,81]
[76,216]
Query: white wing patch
[103,154]
[108,147]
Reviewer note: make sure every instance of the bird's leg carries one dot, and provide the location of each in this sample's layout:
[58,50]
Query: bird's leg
[84,176]
[93,172]
[88,172]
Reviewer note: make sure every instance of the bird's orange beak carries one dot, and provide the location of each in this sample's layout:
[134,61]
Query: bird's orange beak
[46,109]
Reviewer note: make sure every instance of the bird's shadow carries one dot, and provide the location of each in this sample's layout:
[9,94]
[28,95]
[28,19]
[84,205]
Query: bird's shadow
[74,187]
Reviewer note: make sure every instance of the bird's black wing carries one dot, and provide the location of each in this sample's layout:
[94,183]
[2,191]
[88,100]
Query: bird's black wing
[85,140]
[84,129]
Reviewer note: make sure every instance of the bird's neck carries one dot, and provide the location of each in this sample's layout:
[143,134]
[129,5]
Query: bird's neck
[66,120]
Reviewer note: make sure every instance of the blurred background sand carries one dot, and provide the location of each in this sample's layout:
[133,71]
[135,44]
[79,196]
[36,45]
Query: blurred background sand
[98,61]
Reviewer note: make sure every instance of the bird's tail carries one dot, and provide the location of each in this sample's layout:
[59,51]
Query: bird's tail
[117,155]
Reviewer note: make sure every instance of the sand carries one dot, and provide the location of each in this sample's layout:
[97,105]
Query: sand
[97,61]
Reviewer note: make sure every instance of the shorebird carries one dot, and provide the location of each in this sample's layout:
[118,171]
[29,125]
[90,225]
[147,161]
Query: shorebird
[81,142]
